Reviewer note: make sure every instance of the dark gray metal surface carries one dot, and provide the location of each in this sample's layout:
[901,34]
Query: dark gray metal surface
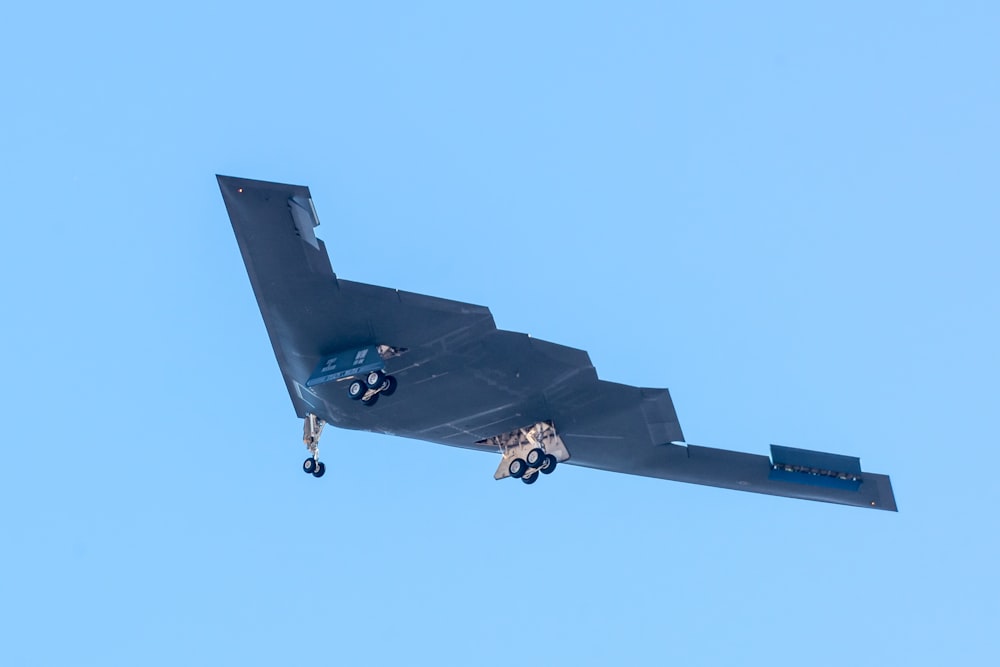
[462,380]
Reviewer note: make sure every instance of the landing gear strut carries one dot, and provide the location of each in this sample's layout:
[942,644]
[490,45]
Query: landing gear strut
[311,430]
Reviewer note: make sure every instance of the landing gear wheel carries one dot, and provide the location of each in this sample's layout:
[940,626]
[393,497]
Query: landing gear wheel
[375,379]
[356,389]
[535,457]
[530,479]
[517,468]
[320,470]
[310,465]
[370,401]
[548,465]
[389,385]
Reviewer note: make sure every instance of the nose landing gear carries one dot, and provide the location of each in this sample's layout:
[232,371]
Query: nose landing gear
[311,430]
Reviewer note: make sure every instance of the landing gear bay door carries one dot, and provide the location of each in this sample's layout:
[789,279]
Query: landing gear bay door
[346,364]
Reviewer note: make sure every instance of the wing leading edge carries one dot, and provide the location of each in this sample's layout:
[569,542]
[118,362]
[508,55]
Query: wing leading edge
[463,382]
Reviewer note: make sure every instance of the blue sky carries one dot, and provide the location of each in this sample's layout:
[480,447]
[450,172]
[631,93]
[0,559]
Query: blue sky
[785,214]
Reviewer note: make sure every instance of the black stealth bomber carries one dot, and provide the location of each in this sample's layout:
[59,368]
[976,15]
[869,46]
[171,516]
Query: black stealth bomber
[378,359]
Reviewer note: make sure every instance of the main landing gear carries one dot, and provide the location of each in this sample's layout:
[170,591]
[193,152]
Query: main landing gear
[528,468]
[311,431]
[528,452]
[371,386]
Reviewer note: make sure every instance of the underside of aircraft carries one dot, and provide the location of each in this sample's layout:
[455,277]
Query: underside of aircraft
[378,359]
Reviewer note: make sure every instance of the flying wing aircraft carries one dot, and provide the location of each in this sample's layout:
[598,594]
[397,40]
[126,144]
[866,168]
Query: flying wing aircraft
[373,358]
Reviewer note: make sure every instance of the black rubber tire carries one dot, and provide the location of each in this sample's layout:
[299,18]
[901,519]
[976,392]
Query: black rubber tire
[517,468]
[530,479]
[549,465]
[389,385]
[370,401]
[309,465]
[535,457]
[356,390]
[320,470]
[375,379]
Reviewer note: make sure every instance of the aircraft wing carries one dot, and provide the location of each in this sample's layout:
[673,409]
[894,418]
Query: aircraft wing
[444,373]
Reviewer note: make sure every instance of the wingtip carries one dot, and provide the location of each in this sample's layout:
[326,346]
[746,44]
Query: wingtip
[228,186]
[236,183]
